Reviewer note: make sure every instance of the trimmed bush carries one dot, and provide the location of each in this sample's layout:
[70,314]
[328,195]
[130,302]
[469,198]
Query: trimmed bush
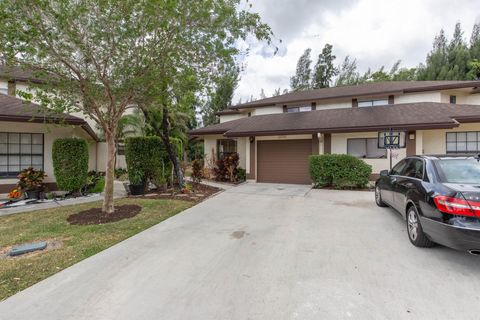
[148,159]
[70,163]
[341,171]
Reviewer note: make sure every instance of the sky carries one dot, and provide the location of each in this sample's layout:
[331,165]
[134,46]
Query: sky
[375,32]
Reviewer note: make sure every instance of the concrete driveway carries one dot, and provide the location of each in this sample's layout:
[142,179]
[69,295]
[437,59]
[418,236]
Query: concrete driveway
[262,251]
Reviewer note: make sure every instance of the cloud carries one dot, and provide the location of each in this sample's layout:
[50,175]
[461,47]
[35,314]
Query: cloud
[375,32]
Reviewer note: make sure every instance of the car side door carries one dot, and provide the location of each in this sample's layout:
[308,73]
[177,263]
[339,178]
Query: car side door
[409,183]
[390,182]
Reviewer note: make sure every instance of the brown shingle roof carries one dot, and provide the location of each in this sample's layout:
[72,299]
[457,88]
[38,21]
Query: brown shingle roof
[17,73]
[227,112]
[18,110]
[353,91]
[422,115]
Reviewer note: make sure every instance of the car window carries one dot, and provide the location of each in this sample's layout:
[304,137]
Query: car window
[459,170]
[414,168]
[399,168]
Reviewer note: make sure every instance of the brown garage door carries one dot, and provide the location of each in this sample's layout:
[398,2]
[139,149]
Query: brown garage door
[284,161]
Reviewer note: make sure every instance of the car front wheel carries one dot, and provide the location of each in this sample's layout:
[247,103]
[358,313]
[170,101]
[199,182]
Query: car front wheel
[378,197]
[415,232]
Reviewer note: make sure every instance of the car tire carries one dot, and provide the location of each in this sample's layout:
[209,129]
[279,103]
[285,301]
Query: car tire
[414,230]
[378,197]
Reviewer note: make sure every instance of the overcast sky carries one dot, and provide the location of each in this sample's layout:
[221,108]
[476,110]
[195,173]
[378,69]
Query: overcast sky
[375,32]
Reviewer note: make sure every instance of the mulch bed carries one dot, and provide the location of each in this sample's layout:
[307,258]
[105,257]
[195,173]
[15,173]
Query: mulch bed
[96,216]
[200,193]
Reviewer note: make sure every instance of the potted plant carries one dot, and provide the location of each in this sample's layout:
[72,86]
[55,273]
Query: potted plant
[137,183]
[30,181]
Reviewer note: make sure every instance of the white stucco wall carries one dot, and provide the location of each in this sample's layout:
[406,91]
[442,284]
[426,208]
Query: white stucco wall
[268,110]
[339,146]
[334,105]
[51,133]
[3,86]
[230,117]
[419,97]
[473,99]
[210,144]
[435,141]
[102,158]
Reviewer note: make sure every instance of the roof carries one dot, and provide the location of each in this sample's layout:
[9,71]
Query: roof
[408,116]
[227,112]
[18,110]
[354,91]
[17,74]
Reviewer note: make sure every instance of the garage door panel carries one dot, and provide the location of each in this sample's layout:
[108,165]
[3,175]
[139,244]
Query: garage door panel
[284,161]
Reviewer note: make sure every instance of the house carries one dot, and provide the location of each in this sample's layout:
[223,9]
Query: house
[27,132]
[275,136]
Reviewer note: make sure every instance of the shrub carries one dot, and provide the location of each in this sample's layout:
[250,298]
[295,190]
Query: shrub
[241,174]
[95,182]
[147,159]
[339,171]
[30,179]
[226,168]
[120,172]
[197,171]
[70,163]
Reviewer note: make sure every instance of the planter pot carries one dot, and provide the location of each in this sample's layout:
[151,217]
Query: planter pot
[136,189]
[33,194]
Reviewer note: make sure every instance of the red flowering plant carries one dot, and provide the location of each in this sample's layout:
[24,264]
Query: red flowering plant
[14,194]
[30,179]
[226,168]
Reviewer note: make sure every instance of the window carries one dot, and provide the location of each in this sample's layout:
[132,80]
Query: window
[453,99]
[414,168]
[226,147]
[299,109]
[458,170]
[365,148]
[121,149]
[373,102]
[463,142]
[19,151]
[399,168]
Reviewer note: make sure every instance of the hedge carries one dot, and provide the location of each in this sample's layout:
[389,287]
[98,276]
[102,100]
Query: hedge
[70,163]
[341,171]
[148,160]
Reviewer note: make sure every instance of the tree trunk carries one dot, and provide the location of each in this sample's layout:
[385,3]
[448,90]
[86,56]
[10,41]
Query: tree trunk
[109,174]
[165,135]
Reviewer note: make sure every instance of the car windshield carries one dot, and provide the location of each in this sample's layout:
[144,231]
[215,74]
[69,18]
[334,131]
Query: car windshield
[459,170]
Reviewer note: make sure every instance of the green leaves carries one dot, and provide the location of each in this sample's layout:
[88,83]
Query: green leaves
[70,163]
[340,171]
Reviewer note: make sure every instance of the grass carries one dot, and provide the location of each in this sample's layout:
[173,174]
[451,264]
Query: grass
[78,242]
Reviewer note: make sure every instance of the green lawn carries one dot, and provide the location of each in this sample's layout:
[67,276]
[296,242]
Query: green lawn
[78,242]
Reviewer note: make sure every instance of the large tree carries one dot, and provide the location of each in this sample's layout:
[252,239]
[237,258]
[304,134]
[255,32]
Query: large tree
[102,57]
[301,80]
[221,95]
[324,70]
[347,72]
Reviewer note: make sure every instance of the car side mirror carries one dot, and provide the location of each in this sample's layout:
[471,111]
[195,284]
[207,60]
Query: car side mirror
[384,173]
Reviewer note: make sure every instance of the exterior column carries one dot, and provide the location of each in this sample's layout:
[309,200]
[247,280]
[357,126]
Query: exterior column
[411,143]
[253,159]
[315,144]
[327,143]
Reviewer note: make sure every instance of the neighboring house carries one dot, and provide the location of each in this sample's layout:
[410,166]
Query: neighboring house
[27,132]
[275,136]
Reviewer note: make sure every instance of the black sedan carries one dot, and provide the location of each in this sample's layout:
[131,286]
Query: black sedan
[439,197]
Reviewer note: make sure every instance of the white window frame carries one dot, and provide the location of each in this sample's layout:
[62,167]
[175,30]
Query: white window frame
[372,102]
